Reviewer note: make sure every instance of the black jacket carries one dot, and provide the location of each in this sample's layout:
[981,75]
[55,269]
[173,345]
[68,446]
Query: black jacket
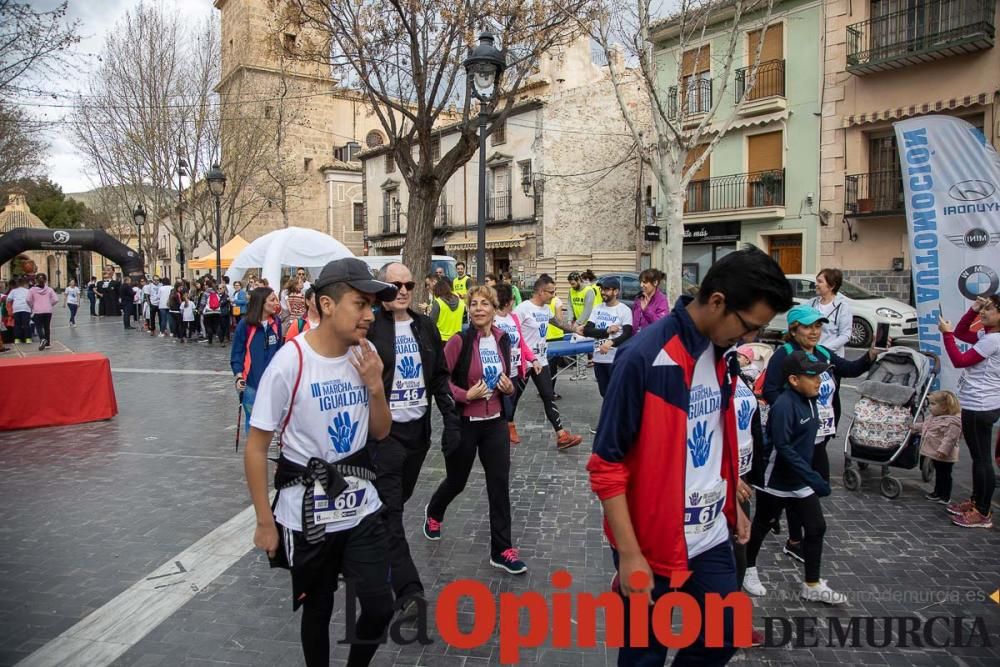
[788,446]
[382,334]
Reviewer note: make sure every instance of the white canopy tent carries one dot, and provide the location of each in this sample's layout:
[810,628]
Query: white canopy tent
[291,247]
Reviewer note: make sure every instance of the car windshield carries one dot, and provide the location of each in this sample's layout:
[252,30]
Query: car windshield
[852,291]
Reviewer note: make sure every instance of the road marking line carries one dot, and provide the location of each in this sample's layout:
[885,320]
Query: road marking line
[169,371]
[107,633]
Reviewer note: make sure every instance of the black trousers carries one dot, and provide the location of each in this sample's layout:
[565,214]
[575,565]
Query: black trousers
[543,383]
[93,303]
[977,429]
[358,553]
[128,311]
[22,326]
[212,326]
[603,374]
[491,440]
[43,325]
[942,478]
[821,464]
[399,458]
[810,513]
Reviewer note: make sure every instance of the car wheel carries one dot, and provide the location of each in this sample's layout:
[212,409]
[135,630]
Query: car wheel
[861,333]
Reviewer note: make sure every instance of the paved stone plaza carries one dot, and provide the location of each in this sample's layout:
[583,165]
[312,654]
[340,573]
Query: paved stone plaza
[121,519]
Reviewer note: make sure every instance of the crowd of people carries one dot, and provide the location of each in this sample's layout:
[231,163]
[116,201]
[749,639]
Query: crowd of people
[697,454]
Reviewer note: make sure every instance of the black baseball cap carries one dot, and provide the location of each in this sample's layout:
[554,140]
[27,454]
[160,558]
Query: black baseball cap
[355,273]
[804,363]
[611,283]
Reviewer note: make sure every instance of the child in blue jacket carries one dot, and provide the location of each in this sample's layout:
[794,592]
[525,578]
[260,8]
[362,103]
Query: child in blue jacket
[255,342]
[787,480]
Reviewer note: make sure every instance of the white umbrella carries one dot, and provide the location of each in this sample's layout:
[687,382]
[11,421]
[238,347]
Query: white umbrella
[291,247]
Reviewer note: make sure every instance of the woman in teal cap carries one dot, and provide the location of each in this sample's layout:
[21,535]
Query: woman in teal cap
[805,327]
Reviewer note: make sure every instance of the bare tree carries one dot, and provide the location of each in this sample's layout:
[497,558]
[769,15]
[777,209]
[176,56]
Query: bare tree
[406,59]
[33,46]
[22,153]
[629,24]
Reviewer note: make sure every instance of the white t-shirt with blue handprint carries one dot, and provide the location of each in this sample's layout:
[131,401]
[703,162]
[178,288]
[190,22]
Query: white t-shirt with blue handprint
[705,490]
[746,406]
[329,421]
[824,403]
[408,393]
[535,326]
[603,316]
[489,356]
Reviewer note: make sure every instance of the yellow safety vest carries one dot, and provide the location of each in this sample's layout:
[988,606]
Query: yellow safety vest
[578,299]
[554,332]
[449,321]
[460,286]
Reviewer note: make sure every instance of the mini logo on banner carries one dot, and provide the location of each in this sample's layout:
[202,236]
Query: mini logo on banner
[975,239]
[60,236]
[972,190]
[978,280]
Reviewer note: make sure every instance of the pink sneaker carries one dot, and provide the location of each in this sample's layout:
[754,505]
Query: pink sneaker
[973,519]
[432,527]
[958,509]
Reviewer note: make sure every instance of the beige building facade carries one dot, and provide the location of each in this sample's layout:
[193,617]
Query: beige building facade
[561,179]
[316,181]
[887,60]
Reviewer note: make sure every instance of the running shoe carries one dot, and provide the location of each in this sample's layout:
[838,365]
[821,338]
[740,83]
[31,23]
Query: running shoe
[515,439]
[794,549]
[958,509]
[973,519]
[932,496]
[432,527]
[41,346]
[509,562]
[756,638]
[751,583]
[821,593]
[616,584]
[593,430]
[567,440]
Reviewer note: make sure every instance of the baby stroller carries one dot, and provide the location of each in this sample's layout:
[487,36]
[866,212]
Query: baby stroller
[893,396]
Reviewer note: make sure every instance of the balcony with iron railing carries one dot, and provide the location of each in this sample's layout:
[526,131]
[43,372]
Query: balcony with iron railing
[693,99]
[874,193]
[389,224]
[767,92]
[758,195]
[926,30]
[498,206]
[443,216]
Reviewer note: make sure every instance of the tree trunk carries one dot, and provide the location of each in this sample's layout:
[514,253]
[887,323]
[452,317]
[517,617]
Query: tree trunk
[417,248]
[672,249]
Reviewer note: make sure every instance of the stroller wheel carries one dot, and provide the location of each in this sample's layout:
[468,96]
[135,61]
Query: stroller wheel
[890,487]
[926,469]
[852,479]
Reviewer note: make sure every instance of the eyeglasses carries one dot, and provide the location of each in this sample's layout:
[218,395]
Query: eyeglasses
[408,285]
[747,328]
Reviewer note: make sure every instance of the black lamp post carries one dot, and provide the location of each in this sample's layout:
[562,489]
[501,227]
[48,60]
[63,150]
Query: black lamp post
[484,67]
[139,217]
[217,185]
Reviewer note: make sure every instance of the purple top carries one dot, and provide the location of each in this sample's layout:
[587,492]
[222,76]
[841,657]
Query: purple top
[657,309]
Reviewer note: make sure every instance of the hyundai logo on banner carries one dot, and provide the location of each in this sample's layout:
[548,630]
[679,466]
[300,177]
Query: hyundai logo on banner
[949,174]
[972,190]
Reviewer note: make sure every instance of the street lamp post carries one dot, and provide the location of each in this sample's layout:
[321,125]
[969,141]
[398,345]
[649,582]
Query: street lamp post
[484,67]
[139,217]
[217,185]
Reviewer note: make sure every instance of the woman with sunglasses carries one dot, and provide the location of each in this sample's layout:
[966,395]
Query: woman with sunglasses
[979,394]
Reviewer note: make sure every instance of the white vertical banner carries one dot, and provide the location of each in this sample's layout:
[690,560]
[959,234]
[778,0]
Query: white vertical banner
[951,177]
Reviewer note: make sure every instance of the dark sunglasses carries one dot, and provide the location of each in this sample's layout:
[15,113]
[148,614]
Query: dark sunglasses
[408,285]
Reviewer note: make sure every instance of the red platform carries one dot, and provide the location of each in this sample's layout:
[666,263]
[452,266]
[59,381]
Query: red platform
[54,391]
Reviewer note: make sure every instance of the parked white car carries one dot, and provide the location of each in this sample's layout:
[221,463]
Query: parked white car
[869,310]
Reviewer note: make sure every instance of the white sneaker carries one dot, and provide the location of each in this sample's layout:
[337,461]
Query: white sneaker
[751,583]
[821,593]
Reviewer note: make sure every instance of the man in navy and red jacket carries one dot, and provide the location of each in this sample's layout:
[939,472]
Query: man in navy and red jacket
[665,461]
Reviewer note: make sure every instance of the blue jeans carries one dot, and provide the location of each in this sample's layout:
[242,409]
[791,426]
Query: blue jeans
[249,395]
[713,571]
[164,319]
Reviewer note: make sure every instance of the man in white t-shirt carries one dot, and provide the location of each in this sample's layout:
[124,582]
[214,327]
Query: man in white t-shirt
[610,324]
[414,372]
[536,317]
[323,394]
[164,307]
